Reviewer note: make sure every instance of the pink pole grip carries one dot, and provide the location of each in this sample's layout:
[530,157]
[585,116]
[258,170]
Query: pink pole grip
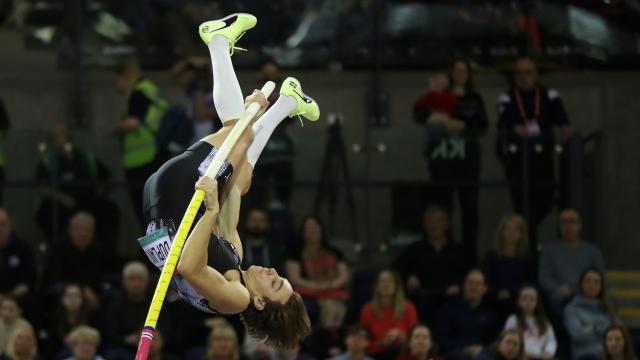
[145,343]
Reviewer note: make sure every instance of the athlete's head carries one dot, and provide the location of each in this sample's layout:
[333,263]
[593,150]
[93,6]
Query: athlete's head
[276,314]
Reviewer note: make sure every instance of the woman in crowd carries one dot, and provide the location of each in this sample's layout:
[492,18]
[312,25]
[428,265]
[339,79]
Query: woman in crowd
[530,319]
[617,344]
[22,344]
[421,346]
[389,317]
[73,311]
[84,341]
[588,316]
[509,267]
[223,344]
[318,272]
[509,346]
[11,317]
[452,146]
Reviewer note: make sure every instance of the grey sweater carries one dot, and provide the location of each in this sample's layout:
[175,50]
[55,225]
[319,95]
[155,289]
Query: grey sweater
[586,324]
[562,264]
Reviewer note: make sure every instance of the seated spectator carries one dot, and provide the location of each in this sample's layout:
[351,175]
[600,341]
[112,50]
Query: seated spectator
[259,247]
[11,317]
[125,317]
[508,347]
[421,346]
[617,344]
[318,272]
[71,180]
[16,261]
[389,317]
[22,344]
[508,267]
[84,342]
[562,262]
[432,268]
[466,324]
[72,312]
[77,260]
[356,342]
[588,316]
[223,344]
[530,319]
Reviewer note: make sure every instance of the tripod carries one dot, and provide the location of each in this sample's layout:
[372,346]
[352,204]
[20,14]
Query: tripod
[334,165]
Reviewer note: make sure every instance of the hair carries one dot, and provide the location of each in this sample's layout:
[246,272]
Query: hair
[11,351]
[225,330]
[629,352]
[523,245]
[356,329]
[278,325]
[539,315]
[80,216]
[434,209]
[604,304]
[504,334]
[130,68]
[134,267]
[83,331]
[399,301]
[83,314]
[469,85]
[479,271]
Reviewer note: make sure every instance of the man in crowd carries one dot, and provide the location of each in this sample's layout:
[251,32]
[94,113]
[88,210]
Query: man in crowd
[434,267]
[466,325]
[528,115]
[260,248]
[561,263]
[357,340]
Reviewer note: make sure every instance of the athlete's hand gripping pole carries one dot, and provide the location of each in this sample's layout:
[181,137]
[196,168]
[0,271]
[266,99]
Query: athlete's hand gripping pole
[185,225]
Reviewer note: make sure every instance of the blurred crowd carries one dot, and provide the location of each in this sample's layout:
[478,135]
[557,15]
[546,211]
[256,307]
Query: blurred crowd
[437,299]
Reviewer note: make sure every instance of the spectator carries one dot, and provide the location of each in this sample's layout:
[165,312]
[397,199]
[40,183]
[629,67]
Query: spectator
[588,316]
[453,151]
[22,344]
[84,341]
[466,324]
[78,260]
[617,344]
[508,347]
[260,248]
[183,127]
[318,272]
[71,180]
[356,342]
[11,318]
[432,268]
[125,317]
[508,267]
[531,320]
[276,169]
[16,261]
[145,109]
[421,346]
[528,113]
[389,317]
[223,344]
[561,263]
[72,312]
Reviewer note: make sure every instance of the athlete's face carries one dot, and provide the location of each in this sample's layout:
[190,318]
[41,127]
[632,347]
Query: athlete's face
[266,283]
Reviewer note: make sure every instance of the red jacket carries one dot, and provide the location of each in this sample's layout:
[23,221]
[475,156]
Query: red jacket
[379,326]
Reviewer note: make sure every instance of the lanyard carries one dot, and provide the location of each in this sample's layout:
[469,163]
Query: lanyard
[536,111]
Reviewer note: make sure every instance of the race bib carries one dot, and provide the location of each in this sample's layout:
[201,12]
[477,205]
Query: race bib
[157,246]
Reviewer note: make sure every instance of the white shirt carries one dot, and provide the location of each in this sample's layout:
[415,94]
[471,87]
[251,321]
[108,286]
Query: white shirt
[535,344]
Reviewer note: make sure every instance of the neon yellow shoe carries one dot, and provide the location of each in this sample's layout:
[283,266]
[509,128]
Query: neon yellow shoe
[307,107]
[232,27]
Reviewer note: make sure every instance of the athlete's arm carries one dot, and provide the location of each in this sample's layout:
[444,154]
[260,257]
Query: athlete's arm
[223,295]
[228,219]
